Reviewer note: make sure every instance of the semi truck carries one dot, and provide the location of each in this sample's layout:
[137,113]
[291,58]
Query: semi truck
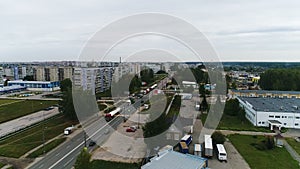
[109,116]
[187,139]
[208,147]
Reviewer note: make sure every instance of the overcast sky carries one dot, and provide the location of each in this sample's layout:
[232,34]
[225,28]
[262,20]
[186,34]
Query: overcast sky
[255,30]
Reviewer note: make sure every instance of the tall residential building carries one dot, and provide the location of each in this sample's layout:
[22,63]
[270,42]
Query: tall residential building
[94,79]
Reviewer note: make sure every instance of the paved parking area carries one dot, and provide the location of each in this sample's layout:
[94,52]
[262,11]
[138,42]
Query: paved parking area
[235,160]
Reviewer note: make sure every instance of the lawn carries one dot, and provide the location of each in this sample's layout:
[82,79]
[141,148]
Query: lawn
[100,164]
[19,109]
[101,106]
[5,101]
[48,147]
[1,165]
[276,158]
[293,143]
[17,145]
[234,123]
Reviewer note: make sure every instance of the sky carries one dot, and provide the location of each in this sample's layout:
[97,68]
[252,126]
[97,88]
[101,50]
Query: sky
[256,30]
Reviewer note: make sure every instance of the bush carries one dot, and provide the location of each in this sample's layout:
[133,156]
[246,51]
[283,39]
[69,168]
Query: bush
[218,138]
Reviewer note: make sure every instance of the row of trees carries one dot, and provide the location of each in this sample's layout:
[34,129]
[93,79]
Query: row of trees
[232,108]
[280,79]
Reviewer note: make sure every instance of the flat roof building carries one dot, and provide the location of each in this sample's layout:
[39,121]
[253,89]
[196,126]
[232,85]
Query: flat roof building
[36,85]
[176,160]
[272,112]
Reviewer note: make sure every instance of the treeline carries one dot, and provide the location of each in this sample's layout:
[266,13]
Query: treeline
[281,79]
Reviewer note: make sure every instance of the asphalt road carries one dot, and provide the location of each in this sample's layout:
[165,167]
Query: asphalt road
[64,156]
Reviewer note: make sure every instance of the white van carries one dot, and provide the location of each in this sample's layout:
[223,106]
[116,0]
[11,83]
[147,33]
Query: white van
[222,155]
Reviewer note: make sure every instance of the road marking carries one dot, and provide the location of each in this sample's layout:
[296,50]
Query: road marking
[57,154]
[41,166]
[52,166]
[68,146]
[68,161]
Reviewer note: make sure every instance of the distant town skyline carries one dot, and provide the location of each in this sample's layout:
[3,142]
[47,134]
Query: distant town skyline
[239,30]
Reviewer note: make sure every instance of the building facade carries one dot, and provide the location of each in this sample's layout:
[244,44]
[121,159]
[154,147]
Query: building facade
[270,112]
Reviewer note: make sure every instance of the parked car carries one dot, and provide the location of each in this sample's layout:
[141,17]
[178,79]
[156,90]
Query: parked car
[131,129]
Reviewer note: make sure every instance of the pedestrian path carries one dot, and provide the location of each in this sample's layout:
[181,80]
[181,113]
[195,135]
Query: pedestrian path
[25,121]
[292,152]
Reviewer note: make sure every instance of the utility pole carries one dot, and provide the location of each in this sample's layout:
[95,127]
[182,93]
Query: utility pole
[84,135]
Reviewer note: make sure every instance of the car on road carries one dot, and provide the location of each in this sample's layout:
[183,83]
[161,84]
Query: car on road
[92,143]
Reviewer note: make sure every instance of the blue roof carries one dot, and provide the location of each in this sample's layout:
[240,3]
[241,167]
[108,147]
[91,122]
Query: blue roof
[273,104]
[175,160]
[267,91]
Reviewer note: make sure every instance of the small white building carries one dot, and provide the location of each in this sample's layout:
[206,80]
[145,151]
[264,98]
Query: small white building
[272,112]
[190,84]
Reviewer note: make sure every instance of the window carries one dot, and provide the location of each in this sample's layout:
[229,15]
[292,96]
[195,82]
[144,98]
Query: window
[270,116]
[296,124]
[297,117]
[259,122]
[263,122]
[277,117]
[284,124]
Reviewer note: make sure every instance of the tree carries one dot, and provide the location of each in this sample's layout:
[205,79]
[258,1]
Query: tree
[6,82]
[147,76]
[218,137]
[65,84]
[83,160]
[232,107]
[66,104]
[204,104]
[202,90]
[28,78]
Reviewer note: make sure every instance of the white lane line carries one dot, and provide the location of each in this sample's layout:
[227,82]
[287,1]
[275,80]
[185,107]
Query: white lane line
[52,166]
[69,161]
[57,154]
[41,166]
[68,146]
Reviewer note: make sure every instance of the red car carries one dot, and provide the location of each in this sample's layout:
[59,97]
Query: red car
[131,129]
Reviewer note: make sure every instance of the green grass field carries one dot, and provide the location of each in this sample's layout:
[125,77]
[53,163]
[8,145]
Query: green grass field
[276,158]
[234,123]
[48,147]
[1,165]
[100,164]
[19,109]
[293,143]
[17,145]
[5,101]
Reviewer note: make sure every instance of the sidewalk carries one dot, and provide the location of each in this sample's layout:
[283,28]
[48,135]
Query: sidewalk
[25,121]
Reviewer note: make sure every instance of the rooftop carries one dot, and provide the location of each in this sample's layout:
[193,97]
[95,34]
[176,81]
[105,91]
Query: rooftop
[267,91]
[175,160]
[273,104]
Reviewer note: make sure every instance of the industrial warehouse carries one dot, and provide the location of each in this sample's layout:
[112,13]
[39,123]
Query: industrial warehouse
[272,112]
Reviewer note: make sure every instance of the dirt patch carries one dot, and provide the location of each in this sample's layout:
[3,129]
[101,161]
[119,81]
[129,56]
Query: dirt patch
[16,163]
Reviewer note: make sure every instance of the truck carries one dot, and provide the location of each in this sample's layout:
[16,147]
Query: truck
[187,139]
[208,147]
[197,150]
[68,130]
[222,155]
[109,116]
[183,147]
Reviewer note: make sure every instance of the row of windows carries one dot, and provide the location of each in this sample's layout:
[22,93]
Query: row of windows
[284,117]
